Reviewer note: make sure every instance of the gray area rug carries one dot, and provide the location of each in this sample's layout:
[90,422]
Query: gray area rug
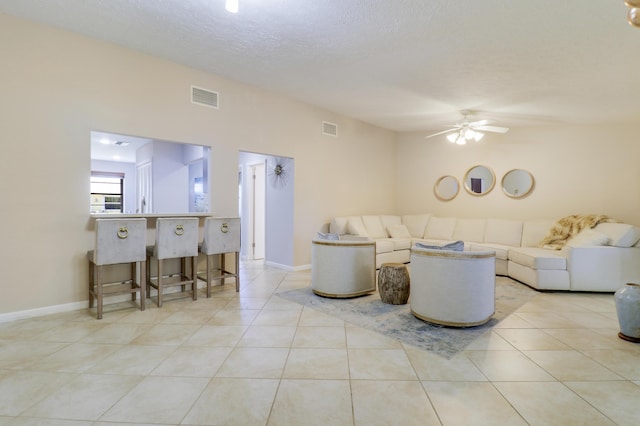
[396,321]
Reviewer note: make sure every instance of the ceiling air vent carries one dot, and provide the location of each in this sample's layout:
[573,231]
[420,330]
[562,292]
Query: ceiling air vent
[329,129]
[204,97]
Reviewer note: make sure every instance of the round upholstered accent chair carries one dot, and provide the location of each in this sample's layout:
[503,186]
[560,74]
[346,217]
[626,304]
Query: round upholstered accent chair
[452,288]
[342,268]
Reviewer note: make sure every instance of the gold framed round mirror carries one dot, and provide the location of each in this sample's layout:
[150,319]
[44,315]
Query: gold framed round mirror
[446,188]
[479,180]
[517,183]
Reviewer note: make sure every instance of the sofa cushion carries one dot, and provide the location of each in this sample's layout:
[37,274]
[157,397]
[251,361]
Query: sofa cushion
[355,226]
[503,231]
[374,227]
[389,221]
[349,237]
[534,231]
[338,225]
[399,231]
[589,238]
[620,234]
[538,258]
[384,245]
[440,228]
[502,251]
[401,243]
[416,223]
[469,230]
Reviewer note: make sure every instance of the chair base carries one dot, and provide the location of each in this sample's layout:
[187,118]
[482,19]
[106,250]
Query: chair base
[450,323]
[98,290]
[341,295]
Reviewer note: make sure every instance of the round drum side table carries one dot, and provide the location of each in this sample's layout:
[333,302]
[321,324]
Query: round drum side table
[393,283]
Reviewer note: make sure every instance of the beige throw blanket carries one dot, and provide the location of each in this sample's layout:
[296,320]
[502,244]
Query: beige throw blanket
[570,226]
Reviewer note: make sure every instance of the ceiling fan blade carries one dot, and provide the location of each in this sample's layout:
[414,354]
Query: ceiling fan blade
[479,123]
[441,133]
[491,129]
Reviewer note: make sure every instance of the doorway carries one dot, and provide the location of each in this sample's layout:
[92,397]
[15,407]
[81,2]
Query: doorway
[266,206]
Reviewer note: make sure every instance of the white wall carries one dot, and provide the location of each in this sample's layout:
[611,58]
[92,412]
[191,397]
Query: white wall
[57,87]
[577,170]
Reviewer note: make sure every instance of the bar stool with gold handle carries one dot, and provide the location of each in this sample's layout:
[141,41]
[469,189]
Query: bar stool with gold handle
[176,238]
[117,241]
[221,237]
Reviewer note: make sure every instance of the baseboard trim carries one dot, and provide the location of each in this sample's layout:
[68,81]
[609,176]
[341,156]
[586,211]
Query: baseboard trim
[46,310]
[74,306]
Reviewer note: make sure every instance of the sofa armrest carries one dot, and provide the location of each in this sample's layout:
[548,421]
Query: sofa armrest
[602,268]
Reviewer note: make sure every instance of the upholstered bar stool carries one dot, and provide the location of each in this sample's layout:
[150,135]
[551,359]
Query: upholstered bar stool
[221,237]
[176,238]
[117,241]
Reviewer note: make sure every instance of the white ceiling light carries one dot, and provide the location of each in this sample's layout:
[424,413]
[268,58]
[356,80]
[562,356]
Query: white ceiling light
[465,135]
[232,6]
[633,15]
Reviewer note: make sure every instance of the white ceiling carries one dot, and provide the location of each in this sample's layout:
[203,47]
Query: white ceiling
[115,147]
[400,64]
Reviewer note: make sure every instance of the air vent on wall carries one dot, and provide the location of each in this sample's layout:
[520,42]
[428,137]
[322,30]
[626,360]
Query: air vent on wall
[329,129]
[204,97]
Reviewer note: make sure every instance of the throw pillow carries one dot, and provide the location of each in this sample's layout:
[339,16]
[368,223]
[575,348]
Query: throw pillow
[589,238]
[454,246]
[399,231]
[620,234]
[327,236]
[356,227]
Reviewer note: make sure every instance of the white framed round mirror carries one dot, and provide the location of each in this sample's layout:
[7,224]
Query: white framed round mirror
[446,188]
[517,183]
[479,180]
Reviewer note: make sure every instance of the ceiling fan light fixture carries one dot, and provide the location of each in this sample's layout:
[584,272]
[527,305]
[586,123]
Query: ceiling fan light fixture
[477,136]
[452,137]
[231,6]
[469,134]
[461,140]
[633,16]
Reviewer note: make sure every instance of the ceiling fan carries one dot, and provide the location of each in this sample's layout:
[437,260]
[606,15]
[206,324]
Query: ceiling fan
[465,130]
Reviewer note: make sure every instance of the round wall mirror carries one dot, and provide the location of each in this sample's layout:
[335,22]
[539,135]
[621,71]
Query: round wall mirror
[517,183]
[446,188]
[479,180]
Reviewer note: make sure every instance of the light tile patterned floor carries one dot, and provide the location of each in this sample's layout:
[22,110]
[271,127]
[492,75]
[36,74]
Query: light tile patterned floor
[254,358]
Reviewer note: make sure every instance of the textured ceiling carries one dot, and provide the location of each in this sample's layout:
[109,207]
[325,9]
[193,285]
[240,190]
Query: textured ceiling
[400,64]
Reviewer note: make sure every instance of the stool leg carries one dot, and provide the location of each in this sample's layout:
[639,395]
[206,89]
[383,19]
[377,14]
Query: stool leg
[134,280]
[159,283]
[99,290]
[223,269]
[148,280]
[91,284]
[209,273]
[142,284]
[194,276]
[237,272]
[183,272]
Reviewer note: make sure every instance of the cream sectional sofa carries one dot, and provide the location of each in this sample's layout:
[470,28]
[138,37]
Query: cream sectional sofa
[583,265]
